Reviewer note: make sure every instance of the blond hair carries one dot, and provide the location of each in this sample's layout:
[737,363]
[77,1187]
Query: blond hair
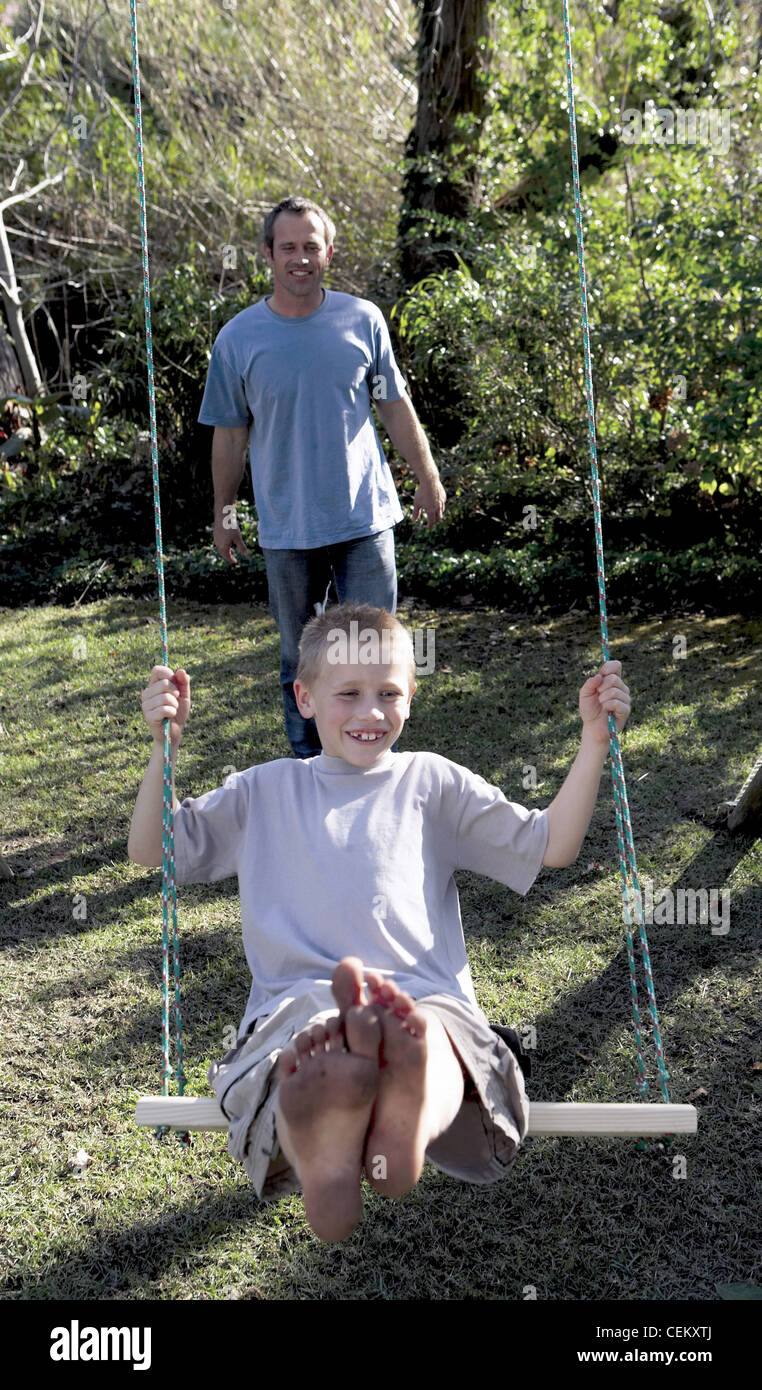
[321,641]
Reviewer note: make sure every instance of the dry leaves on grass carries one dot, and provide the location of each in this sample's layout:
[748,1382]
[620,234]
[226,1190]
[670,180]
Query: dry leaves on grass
[79,1163]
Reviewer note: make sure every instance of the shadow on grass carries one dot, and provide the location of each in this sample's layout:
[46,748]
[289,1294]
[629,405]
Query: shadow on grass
[579,1022]
[422,1247]
[215,983]
[57,913]
[143,1250]
[583,1019]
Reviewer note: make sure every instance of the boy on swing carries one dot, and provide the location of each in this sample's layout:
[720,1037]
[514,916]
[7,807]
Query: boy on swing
[362,1050]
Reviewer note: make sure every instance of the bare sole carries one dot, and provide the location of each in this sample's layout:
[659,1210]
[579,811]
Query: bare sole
[326,1098]
[395,1149]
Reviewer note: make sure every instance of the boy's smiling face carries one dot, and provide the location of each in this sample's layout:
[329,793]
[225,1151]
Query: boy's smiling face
[360,710]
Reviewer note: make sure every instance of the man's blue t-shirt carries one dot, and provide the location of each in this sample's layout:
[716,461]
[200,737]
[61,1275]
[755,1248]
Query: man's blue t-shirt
[304,387]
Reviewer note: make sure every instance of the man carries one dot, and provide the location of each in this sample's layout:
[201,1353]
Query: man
[292,378]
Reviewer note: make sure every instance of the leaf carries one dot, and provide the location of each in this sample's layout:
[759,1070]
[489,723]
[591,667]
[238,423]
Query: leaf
[79,1162]
[735,1292]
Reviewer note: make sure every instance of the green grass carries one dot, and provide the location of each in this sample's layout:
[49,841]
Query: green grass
[578,1219]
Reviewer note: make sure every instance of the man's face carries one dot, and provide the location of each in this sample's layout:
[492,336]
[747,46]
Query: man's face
[359,710]
[299,257]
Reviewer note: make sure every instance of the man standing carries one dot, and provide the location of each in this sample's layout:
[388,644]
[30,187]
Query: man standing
[292,378]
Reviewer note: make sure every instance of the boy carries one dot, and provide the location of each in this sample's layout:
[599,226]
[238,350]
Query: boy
[382,1060]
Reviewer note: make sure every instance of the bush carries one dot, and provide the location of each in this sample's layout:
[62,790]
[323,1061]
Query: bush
[532,580]
[186,316]
[505,334]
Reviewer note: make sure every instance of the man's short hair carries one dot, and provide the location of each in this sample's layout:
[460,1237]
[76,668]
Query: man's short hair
[321,643]
[300,205]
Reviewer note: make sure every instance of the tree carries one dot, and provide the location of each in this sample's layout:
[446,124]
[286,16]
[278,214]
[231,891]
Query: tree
[253,103]
[441,186]
[675,70]
[9,287]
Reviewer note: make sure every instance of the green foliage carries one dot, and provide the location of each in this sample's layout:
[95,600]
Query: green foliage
[536,579]
[76,508]
[506,341]
[492,348]
[186,315]
[78,496]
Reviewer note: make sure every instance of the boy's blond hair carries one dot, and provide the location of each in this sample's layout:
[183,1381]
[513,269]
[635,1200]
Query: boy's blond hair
[347,627]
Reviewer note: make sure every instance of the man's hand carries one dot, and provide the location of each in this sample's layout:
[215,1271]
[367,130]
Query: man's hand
[167,697]
[430,497]
[404,429]
[228,540]
[601,696]
[228,463]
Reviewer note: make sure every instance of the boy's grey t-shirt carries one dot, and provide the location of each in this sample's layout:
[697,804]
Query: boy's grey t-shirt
[337,861]
[319,473]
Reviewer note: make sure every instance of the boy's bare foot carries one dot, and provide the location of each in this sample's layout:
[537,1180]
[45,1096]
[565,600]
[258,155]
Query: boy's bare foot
[325,1101]
[395,1149]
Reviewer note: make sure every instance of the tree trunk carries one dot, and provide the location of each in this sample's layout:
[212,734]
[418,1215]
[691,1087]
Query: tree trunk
[10,371]
[12,301]
[442,180]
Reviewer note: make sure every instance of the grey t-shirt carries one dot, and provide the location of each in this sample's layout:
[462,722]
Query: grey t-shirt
[304,387]
[337,861]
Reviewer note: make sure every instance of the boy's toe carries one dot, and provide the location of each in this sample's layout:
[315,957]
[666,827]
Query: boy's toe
[374,981]
[363,1029]
[288,1062]
[347,982]
[302,1044]
[335,1038]
[402,1005]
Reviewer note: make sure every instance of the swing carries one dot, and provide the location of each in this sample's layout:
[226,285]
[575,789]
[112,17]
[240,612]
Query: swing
[185,1113]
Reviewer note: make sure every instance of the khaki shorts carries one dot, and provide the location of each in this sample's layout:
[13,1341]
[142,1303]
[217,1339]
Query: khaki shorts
[479,1146]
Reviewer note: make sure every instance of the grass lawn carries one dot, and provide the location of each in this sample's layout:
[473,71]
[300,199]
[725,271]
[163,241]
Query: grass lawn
[81,939]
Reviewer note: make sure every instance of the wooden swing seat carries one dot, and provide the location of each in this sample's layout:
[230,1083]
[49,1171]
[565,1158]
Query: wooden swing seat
[545,1118]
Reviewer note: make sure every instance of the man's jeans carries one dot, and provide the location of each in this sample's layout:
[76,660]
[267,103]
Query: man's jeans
[299,580]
